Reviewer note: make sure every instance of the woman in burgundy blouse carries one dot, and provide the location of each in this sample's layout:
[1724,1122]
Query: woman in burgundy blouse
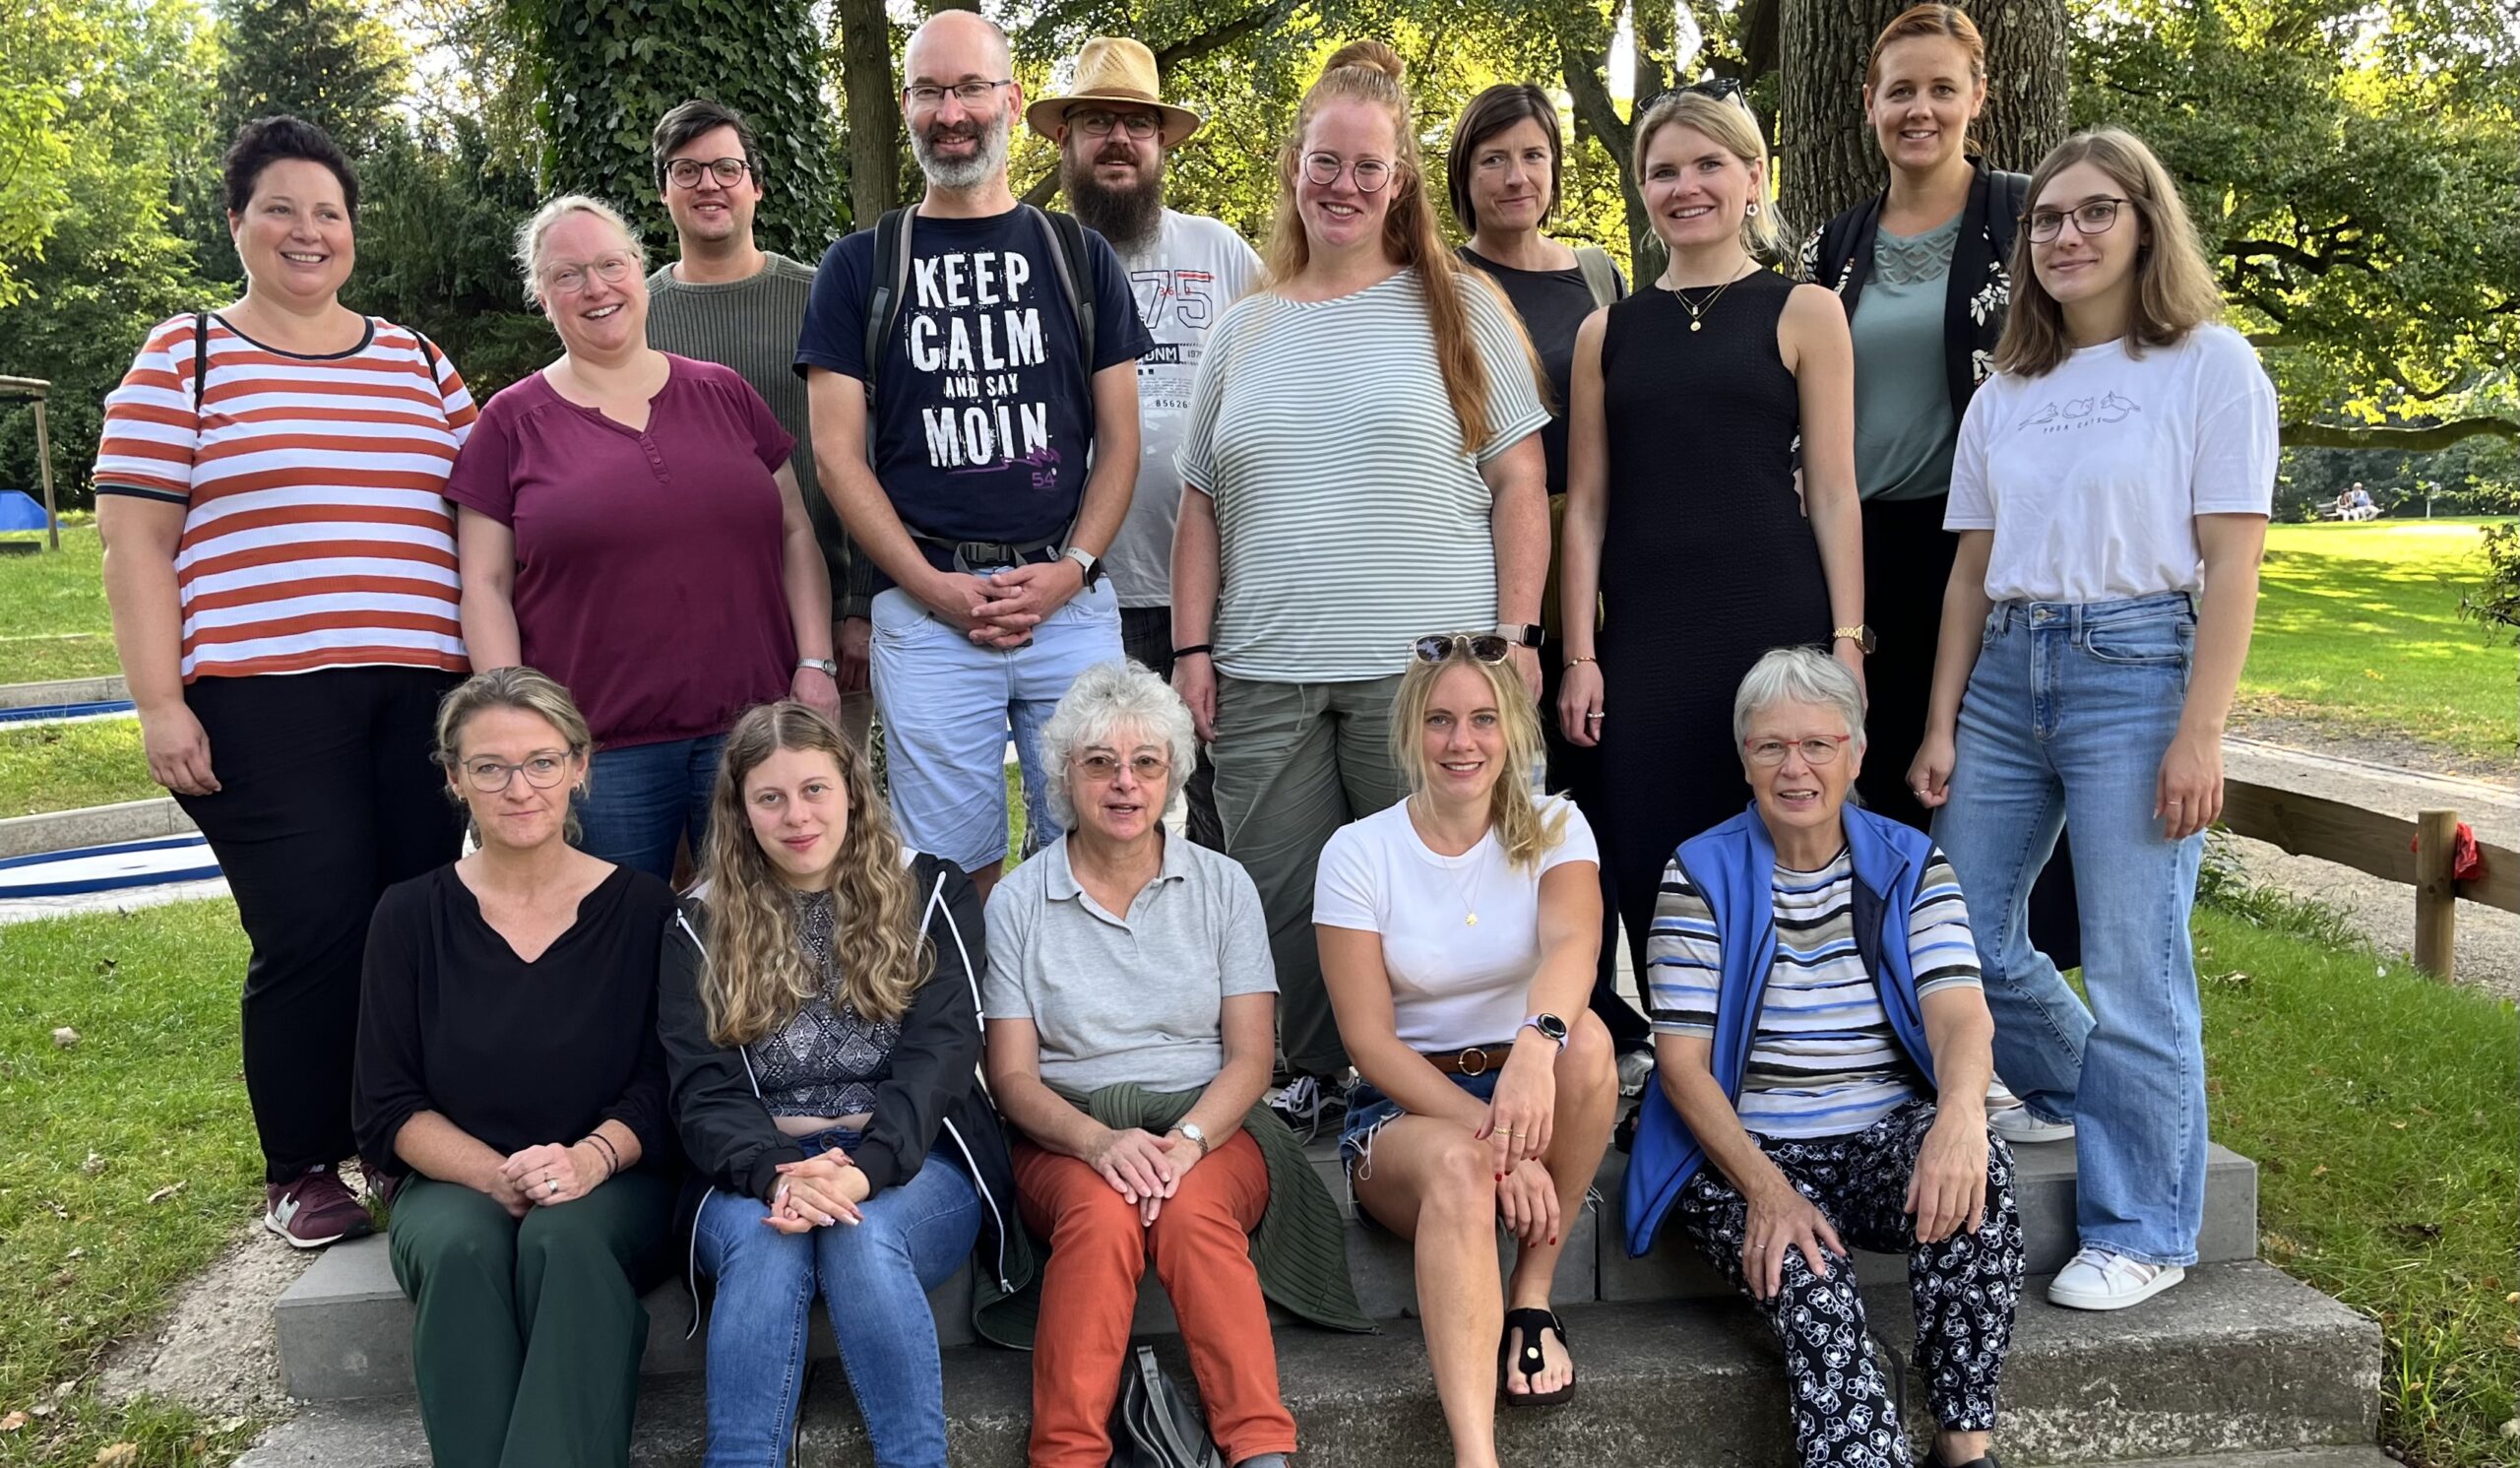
[626,522]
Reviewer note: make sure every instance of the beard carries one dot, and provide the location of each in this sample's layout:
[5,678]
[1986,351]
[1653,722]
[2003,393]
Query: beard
[1129,217]
[986,162]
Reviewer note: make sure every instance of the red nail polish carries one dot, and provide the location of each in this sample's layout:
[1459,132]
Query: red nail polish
[1552,1237]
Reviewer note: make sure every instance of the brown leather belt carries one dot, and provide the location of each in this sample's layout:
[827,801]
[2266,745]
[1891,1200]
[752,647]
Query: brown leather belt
[1477,1060]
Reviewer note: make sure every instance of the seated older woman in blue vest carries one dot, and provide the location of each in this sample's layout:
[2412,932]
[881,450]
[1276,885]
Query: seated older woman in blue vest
[1822,1043]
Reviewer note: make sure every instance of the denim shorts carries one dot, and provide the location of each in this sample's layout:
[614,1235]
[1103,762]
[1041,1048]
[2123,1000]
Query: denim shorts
[1369,1111]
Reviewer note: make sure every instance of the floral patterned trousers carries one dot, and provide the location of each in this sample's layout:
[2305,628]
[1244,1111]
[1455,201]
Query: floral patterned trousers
[1965,1287]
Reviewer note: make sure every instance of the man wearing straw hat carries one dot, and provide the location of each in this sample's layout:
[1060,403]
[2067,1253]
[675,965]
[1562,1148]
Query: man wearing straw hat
[1113,129]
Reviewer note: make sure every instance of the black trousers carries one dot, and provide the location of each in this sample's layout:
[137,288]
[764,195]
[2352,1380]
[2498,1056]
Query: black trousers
[326,796]
[1575,773]
[1907,565]
[1146,635]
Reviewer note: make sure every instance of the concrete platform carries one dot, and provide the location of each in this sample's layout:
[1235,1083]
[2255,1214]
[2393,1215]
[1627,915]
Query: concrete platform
[343,1326]
[91,825]
[2240,1363]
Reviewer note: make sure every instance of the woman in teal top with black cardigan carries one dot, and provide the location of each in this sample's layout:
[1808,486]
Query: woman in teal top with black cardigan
[1923,269]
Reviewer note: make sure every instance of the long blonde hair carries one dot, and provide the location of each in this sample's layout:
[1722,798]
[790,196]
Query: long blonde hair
[1521,829]
[1736,131]
[757,978]
[2176,291]
[1369,71]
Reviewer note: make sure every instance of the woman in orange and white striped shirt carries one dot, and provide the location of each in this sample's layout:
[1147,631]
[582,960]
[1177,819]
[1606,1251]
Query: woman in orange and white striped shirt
[280,558]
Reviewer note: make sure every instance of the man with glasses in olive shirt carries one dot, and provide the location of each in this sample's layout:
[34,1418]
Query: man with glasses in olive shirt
[728,302]
[1114,131]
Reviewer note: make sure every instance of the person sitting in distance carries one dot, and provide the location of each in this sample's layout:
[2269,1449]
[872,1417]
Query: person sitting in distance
[1824,1051]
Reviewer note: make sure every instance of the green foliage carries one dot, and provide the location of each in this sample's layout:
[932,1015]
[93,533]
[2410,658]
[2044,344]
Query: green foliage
[330,62]
[2497,599]
[606,70]
[434,253]
[39,46]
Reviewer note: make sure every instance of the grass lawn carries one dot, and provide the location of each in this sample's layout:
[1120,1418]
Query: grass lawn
[127,1163]
[2358,630]
[2380,1105]
[64,766]
[43,597]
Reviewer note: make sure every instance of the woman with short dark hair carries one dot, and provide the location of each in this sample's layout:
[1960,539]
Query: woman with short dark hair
[280,560]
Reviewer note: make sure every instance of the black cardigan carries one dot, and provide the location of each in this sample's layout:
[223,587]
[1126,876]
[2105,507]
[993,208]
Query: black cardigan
[1839,254]
[935,1085]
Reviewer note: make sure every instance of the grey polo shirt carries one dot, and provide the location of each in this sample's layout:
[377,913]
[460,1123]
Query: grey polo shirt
[1136,999]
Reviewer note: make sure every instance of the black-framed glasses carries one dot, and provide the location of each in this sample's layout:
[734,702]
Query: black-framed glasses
[1485,647]
[1097,123]
[970,93]
[2091,217]
[684,172]
[1103,769]
[1819,749]
[543,770]
[1372,175]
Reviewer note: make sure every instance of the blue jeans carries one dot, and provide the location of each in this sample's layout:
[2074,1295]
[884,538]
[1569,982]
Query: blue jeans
[2066,718]
[949,705]
[874,1280]
[642,801]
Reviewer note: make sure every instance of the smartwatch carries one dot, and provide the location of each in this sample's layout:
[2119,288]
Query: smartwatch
[1859,634]
[1085,562]
[1550,1025]
[1520,634]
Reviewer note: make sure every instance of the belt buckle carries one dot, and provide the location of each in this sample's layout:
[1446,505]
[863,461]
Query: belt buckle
[1463,1060]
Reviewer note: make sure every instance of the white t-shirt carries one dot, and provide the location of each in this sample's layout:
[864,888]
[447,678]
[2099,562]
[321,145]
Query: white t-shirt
[1453,984]
[2092,476]
[1183,280]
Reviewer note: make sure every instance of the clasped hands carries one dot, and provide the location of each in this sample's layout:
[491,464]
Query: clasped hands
[1001,609]
[545,1173]
[822,1191]
[1142,1168]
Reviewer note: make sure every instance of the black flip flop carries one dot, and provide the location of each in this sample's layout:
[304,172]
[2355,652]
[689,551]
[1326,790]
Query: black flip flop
[1530,1362]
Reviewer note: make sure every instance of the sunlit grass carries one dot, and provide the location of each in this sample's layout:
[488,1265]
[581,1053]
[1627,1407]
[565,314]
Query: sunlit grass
[53,622]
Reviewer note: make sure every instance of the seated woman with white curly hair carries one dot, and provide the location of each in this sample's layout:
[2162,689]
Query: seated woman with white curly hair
[1823,1042]
[1130,1004]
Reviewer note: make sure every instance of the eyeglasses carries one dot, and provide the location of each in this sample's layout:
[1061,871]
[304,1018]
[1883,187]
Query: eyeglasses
[1485,647]
[2090,217]
[491,776]
[968,94]
[1098,123]
[1819,749]
[684,172]
[1370,175]
[569,280]
[1103,769]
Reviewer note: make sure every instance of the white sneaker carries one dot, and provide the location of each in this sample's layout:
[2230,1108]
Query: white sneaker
[1999,1097]
[2018,1123]
[2099,1279]
[1635,1072]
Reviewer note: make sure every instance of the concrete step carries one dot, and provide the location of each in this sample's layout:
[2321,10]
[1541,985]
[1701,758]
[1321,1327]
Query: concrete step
[2239,1367]
[345,1329]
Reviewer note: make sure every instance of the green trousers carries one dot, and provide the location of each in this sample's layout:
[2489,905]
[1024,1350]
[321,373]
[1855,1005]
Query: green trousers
[1295,762]
[527,1333]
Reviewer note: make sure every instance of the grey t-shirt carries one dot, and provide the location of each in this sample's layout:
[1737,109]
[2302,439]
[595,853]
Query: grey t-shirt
[1136,998]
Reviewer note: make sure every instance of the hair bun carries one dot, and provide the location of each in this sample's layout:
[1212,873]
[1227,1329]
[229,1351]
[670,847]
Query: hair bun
[1374,55]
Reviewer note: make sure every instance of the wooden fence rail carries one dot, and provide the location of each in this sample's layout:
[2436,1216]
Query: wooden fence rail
[2415,852]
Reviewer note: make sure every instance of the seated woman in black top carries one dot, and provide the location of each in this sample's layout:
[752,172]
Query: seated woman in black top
[822,1028]
[511,1087]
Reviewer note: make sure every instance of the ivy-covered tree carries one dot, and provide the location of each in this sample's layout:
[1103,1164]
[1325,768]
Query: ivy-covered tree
[604,71]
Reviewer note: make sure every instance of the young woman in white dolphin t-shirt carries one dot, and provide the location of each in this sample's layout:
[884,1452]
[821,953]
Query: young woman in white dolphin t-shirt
[2110,490]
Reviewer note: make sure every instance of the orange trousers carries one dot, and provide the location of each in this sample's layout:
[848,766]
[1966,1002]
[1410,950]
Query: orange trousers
[1201,1246]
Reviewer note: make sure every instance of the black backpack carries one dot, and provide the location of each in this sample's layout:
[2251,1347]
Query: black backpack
[1066,238]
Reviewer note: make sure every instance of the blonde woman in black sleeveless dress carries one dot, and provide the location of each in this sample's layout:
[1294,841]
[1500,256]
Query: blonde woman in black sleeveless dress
[1688,400]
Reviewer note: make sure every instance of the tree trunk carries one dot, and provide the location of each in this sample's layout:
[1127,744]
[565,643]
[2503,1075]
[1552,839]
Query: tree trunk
[1828,159]
[873,107]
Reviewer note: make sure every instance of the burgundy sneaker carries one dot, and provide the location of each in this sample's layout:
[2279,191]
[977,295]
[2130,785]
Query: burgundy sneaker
[315,1210]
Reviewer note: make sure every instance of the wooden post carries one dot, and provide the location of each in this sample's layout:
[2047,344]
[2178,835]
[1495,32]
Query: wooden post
[43,470]
[2437,896]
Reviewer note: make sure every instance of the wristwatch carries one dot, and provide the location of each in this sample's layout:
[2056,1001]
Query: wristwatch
[819,664]
[1192,1131]
[1860,634]
[1550,1025]
[1086,562]
[1520,634]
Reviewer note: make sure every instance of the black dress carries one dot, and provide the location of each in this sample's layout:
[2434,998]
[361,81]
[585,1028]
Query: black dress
[1707,562]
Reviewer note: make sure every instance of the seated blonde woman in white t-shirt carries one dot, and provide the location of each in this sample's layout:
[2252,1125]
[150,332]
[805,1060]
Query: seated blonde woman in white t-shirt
[1457,928]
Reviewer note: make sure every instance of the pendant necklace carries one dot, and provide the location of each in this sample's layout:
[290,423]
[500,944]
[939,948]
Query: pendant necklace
[1697,311]
[1469,890]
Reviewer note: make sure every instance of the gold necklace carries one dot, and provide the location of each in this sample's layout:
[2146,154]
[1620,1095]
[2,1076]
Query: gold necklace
[1469,891]
[1698,312]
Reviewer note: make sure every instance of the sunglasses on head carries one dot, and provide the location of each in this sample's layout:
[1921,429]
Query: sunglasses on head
[1485,647]
[1722,88]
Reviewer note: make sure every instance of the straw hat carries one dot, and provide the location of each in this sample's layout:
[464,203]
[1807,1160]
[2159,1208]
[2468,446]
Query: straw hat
[1113,69]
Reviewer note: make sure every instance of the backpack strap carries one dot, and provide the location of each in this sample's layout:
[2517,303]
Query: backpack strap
[1075,275]
[1600,273]
[201,358]
[2005,202]
[892,283]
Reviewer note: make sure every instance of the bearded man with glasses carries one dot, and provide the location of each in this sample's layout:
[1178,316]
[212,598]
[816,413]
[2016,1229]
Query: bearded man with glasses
[1114,131]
